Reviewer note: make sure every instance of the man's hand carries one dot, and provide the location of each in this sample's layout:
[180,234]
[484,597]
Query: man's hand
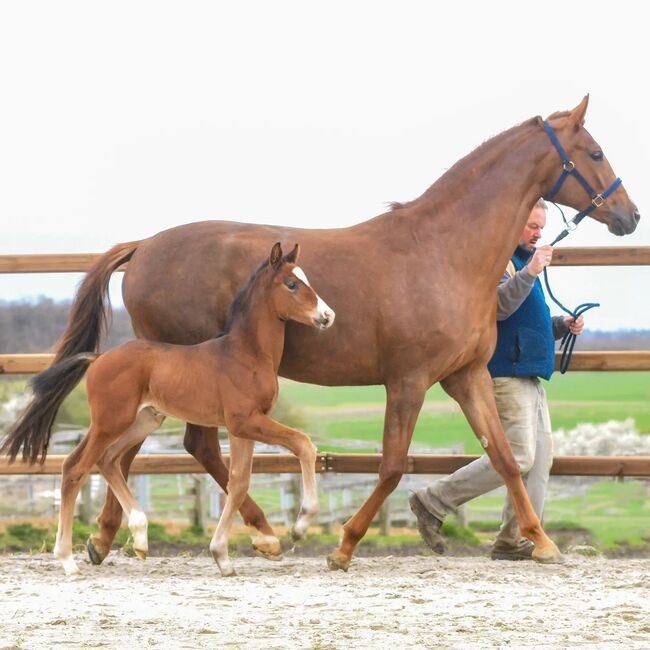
[575,325]
[541,258]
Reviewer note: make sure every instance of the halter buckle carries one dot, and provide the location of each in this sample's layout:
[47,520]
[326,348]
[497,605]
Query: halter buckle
[569,166]
[571,225]
[597,201]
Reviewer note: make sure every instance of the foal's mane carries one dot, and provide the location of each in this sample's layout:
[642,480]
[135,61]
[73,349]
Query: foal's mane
[239,301]
[471,157]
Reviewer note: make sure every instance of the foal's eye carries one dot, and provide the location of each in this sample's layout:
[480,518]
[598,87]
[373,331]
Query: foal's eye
[291,285]
[596,155]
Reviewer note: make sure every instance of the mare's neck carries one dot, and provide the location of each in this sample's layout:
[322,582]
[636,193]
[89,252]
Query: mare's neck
[477,210]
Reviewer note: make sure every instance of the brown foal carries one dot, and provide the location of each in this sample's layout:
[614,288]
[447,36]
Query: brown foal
[230,380]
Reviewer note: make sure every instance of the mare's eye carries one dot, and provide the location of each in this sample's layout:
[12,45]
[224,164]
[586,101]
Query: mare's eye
[291,285]
[596,155]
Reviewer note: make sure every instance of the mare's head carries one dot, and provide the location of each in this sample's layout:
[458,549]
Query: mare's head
[587,157]
[291,294]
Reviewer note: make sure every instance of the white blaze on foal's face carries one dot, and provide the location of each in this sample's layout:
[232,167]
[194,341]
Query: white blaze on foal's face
[324,314]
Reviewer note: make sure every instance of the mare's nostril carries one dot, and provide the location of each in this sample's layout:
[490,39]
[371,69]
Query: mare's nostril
[637,216]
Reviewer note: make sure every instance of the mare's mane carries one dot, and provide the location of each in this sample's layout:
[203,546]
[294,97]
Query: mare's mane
[471,157]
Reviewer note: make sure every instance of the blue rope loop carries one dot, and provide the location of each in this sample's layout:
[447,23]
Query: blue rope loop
[569,339]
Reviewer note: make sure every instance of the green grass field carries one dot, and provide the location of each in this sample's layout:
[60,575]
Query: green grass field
[574,398]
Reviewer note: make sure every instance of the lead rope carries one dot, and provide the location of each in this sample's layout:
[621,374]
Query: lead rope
[569,339]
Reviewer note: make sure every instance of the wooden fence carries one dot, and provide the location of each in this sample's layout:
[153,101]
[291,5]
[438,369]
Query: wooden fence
[616,466]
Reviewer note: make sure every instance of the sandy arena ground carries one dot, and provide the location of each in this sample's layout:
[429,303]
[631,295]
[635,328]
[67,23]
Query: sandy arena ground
[383,602]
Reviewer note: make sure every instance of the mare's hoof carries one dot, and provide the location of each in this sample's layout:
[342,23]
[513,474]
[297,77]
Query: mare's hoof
[296,535]
[142,555]
[336,561]
[548,555]
[96,557]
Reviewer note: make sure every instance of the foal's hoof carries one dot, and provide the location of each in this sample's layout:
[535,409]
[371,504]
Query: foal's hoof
[95,555]
[268,547]
[142,555]
[296,535]
[336,561]
[548,555]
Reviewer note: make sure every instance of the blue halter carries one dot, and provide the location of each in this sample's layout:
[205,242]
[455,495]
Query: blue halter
[569,169]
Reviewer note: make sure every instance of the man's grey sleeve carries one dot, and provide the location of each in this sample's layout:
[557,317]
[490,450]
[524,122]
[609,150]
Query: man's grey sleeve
[512,291]
[560,328]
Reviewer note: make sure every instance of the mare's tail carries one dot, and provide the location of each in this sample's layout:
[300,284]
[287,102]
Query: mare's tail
[89,313]
[51,387]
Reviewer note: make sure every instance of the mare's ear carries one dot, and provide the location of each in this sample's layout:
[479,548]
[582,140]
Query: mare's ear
[577,115]
[276,255]
[292,257]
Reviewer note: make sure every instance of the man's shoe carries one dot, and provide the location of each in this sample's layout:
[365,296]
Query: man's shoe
[428,525]
[523,550]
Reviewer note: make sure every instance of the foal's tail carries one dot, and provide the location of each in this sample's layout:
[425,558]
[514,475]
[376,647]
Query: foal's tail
[89,314]
[51,387]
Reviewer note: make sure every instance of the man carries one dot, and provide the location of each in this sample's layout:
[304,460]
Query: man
[524,353]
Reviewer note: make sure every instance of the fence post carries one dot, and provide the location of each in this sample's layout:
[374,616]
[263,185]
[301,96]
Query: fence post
[384,517]
[86,503]
[200,506]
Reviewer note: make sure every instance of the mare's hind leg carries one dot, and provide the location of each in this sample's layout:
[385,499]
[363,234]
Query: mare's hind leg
[126,448]
[473,390]
[76,468]
[241,465]
[146,421]
[203,444]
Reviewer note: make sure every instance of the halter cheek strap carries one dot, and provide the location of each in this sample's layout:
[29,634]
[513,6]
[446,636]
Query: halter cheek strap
[569,169]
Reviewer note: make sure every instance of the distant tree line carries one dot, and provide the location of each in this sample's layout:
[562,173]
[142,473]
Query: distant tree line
[35,326]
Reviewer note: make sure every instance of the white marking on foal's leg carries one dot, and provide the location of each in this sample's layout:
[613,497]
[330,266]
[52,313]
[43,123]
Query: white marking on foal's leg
[138,528]
[65,557]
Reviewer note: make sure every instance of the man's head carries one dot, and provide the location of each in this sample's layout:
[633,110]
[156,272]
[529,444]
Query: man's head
[534,226]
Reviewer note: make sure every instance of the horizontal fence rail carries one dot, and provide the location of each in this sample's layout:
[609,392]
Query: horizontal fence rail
[568,256]
[17,364]
[615,466]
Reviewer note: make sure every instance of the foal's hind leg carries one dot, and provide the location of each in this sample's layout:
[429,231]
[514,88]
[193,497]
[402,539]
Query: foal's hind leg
[126,448]
[203,444]
[473,390]
[76,468]
[241,464]
[146,421]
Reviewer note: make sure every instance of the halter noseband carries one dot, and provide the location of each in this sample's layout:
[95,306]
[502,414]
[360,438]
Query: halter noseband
[569,169]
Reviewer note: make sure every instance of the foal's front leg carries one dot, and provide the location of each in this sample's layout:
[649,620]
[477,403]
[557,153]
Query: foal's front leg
[262,428]
[241,465]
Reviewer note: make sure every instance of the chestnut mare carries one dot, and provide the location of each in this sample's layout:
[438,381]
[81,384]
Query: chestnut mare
[416,307]
[230,380]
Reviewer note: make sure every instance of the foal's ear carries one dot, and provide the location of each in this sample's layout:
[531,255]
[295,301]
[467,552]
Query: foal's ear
[577,115]
[292,257]
[276,255]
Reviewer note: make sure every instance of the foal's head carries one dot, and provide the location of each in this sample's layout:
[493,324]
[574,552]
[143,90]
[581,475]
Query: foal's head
[291,294]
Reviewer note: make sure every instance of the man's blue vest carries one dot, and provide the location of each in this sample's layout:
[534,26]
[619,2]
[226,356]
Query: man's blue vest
[525,343]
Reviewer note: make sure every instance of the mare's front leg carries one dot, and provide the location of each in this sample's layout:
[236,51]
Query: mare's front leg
[472,388]
[262,428]
[203,444]
[241,465]
[404,401]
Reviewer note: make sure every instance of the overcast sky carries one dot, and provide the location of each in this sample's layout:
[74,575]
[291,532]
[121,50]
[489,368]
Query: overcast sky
[121,119]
